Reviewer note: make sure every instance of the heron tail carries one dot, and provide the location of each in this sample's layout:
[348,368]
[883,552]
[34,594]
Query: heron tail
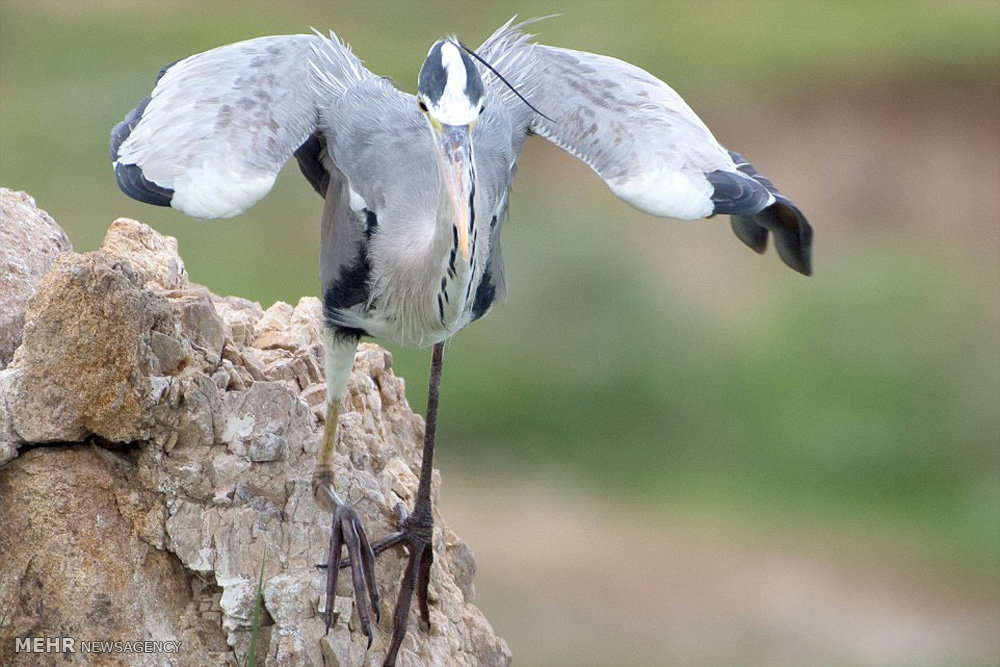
[792,232]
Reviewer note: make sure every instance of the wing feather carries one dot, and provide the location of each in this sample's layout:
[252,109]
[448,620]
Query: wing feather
[635,131]
[218,126]
[643,139]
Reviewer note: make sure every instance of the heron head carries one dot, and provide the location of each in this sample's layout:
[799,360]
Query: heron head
[449,88]
[450,94]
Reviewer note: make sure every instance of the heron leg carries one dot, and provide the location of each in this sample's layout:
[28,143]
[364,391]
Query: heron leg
[417,528]
[347,528]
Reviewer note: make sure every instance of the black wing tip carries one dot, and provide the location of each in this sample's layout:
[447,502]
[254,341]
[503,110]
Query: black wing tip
[792,233]
[736,194]
[130,178]
[793,238]
[748,231]
[134,183]
[121,131]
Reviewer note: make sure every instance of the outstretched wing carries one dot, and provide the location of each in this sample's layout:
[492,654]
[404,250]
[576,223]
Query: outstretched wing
[633,130]
[218,126]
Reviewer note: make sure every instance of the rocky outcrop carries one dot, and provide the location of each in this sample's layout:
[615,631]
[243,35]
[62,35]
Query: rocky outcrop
[156,449]
[29,242]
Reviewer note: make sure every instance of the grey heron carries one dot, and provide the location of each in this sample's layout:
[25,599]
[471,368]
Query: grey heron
[415,191]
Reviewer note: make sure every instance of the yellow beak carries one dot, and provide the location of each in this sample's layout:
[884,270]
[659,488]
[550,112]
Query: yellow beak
[455,161]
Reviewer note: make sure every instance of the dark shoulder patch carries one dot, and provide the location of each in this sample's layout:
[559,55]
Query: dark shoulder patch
[486,293]
[348,333]
[350,287]
[371,223]
[308,156]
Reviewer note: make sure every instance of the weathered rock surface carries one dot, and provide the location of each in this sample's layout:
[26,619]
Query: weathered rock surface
[29,242]
[159,443]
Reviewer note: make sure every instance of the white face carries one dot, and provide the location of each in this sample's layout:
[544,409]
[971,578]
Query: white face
[454,106]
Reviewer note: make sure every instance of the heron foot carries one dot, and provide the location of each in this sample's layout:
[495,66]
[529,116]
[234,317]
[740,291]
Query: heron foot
[415,535]
[348,530]
[417,530]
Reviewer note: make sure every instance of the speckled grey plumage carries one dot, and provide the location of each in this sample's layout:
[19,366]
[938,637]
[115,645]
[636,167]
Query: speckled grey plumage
[219,126]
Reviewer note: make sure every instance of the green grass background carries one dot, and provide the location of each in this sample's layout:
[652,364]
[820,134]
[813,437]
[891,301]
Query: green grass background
[864,399]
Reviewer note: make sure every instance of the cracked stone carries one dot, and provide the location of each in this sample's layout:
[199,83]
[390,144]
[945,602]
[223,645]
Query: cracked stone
[219,405]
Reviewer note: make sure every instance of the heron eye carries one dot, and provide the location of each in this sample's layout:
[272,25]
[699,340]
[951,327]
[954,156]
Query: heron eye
[482,109]
[423,107]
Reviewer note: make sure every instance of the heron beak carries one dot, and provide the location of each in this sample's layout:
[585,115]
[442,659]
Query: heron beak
[455,160]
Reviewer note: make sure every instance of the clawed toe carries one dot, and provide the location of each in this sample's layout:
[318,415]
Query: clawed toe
[416,538]
[416,533]
[348,530]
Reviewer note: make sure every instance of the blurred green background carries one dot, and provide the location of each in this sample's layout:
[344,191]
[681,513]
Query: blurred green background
[656,369]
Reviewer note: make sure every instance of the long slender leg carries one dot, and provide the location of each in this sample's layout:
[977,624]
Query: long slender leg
[418,527]
[347,528]
[416,534]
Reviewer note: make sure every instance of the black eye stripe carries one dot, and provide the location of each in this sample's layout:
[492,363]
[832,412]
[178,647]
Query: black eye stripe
[473,82]
[432,78]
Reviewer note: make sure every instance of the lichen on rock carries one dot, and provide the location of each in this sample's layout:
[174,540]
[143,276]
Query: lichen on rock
[166,438]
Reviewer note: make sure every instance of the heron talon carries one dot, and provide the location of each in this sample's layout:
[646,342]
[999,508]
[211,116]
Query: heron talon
[347,530]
